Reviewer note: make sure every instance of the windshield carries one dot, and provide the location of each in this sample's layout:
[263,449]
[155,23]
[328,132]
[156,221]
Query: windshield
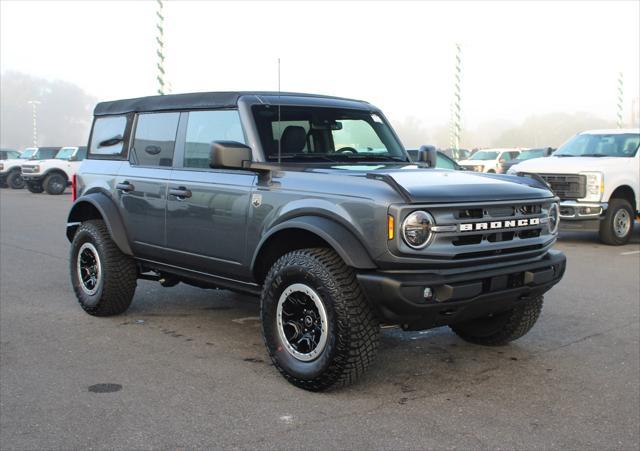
[531,153]
[65,153]
[484,155]
[587,145]
[28,153]
[325,134]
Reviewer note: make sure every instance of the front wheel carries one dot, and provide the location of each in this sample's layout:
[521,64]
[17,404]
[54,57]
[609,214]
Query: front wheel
[103,278]
[617,226]
[35,188]
[501,328]
[15,180]
[318,327]
[55,184]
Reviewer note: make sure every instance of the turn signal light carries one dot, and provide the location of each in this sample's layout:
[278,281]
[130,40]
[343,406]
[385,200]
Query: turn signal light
[74,189]
[390,227]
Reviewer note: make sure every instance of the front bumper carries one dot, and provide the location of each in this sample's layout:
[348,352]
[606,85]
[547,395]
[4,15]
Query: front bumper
[32,178]
[581,215]
[398,296]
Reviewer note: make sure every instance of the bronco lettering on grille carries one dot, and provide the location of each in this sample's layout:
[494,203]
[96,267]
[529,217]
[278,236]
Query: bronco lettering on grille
[496,225]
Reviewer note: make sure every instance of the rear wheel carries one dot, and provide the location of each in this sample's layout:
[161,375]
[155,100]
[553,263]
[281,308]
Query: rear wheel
[55,184]
[103,278]
[15,180]
[35,188]
[617,226]
[318,327]
[501,328]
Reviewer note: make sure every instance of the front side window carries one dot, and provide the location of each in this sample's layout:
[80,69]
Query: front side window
[531,153]
[445,162]
[154,140]
[46,153]
[204,127]
[613,145]
[484,155]
[81,154]
[325,134]
[28,153]
[108,135]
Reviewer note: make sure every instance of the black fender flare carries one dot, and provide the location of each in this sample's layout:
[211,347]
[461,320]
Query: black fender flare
[109,213]
[342,240]
[55,171]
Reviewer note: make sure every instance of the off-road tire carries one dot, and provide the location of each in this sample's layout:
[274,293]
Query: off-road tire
[15,180]
[607,226]
[55,184]
[501,328]
[117,284]
[35,188]
[353,330]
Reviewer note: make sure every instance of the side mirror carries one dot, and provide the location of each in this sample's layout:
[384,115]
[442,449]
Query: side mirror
[429,155]
[229,154]
[73,158]
[502,161]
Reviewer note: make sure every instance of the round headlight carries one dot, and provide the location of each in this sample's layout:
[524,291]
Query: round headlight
[416,229]
[554,218]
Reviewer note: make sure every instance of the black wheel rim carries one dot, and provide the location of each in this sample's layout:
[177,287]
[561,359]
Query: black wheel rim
[89,268]
[302,322]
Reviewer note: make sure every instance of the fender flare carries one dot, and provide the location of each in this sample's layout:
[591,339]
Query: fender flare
[342,240]
[55,171]
[108,210]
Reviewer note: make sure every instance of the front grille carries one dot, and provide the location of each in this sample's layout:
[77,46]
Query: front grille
[27,169]
[566,186]
[500,231]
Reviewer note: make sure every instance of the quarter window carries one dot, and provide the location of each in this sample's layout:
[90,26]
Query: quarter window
[108,134]
[204,127]
[155,139]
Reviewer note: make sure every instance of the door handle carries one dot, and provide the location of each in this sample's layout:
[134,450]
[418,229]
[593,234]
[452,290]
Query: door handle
[125,186]
[180,193]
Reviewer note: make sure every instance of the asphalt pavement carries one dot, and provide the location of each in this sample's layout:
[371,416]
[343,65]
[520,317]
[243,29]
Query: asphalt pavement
[186,368]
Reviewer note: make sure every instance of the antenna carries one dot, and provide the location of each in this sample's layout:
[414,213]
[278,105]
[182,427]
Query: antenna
[279,126]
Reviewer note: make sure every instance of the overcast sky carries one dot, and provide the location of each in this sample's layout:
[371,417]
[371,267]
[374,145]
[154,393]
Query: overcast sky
[519,58]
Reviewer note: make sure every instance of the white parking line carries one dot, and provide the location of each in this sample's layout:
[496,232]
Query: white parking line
[630,253]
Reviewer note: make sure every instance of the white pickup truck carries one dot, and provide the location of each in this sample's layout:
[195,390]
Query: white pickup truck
[54,175]
[596,175]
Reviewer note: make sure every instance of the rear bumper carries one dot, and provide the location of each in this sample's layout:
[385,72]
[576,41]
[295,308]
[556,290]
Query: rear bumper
[398,296]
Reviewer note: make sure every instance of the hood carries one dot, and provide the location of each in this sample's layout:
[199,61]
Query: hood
[473,162]
[437,185]
[567,165]
[12,161]
[433,185]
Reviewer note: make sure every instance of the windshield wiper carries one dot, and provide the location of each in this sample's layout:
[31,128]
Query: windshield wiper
[304,156]
[565,155]
[597,155]
[375,158]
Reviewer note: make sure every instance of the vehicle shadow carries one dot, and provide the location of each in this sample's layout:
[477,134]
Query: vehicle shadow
[592,237]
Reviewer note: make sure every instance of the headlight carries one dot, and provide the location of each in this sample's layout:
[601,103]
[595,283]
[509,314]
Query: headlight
[553,221]
[35,168]
[478,168]
[416,229]
[594,186]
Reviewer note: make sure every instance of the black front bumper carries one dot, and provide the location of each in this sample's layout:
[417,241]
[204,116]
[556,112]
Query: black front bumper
[398,296]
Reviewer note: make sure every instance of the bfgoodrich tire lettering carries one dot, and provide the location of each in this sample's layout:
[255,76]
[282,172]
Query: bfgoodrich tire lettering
[617,226]
[107,287]
[352,329]
[501,328]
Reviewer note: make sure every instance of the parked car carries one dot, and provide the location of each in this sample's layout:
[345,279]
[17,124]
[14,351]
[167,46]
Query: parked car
[525,154]
[53,175]
[595,175]
[443,161]
[311,203]
[457,154]
[10,169]
[489,160]
[10,155]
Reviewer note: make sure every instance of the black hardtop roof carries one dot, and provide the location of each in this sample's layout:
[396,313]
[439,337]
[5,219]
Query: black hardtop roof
[203,100]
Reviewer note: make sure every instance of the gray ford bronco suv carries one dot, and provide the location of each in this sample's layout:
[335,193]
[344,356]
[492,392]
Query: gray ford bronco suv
[311,203]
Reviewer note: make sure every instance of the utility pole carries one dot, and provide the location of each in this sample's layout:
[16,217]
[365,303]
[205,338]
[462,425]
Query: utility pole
[620,99]
[34,108]
[160,47]
[454,136]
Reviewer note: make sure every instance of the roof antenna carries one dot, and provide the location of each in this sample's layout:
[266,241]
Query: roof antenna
[279,126]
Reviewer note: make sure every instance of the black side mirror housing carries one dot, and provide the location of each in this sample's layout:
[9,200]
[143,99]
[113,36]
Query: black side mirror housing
[429,155]
[229,154]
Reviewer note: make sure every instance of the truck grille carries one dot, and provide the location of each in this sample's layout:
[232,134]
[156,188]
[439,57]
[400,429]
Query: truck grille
[566,186]
[27,169]
[503,238]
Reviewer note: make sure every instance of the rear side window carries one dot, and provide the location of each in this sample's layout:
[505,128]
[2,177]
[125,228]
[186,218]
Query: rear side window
[154,140]
[204,127]
[107,137]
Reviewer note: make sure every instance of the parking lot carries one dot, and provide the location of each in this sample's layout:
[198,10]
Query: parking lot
[190,370]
